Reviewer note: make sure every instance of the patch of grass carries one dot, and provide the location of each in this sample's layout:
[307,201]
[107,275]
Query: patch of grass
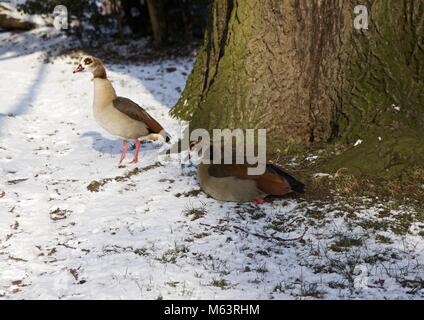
[314,214]
[279,288]
[403,223]
[421,234]
[172,284]
[374,224]
[167,180]
[346,184]
[351,214]
[344,243]
[141,252]
[258,214]
[201,235]
[224,272]
[406,189]
[376,258]
[287,223]
[171,255]
[406,218]
[168,257]
[284,286]
[277,225]
[311,290]
[419,216]
[220,283]
[248,209]
[337,285]
[385,213]
[262,269]
[383,239]
[414,284]
[195,212]
[400,229]
[263,253]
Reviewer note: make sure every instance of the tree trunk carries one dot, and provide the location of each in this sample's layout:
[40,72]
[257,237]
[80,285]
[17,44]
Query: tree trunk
[300,69]
[157,20]
[118,14]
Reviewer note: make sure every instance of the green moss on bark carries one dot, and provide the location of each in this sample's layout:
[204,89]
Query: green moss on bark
[383,95]
[218,89]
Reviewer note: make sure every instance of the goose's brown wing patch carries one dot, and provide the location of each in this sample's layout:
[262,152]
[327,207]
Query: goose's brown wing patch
[270,182]
[229,170]
[134,111]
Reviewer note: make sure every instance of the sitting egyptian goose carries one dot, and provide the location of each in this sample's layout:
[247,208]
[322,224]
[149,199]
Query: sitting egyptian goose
[119,116]
[231,182]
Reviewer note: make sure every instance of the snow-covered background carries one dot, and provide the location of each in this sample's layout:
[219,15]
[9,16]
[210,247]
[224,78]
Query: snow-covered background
[74,225]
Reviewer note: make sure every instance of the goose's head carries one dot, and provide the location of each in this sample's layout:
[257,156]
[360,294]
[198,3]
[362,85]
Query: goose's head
[91,64]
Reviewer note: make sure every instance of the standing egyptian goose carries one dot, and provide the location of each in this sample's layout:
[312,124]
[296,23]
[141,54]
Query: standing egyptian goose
[231,182]
[119,116]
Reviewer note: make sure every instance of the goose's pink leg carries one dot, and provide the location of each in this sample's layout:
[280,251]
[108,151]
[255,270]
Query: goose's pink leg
[259,200]
[137,150]
[124,150]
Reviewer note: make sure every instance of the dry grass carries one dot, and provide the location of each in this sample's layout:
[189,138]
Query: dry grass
[407,190]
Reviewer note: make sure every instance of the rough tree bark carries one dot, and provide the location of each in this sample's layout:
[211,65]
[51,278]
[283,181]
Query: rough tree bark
[301,70]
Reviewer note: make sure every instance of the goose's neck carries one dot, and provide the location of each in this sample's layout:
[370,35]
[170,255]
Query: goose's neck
[104,93]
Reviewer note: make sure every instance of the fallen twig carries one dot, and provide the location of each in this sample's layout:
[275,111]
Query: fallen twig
[262,236]
[219,227]
[66,246]
[16,181]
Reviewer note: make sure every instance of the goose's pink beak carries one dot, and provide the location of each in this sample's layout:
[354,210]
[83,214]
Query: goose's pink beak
[79,68]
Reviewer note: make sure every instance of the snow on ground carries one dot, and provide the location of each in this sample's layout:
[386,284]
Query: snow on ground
[74,225]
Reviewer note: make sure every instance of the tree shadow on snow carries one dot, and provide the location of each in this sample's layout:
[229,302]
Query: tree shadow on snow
[21,43]
[22,105]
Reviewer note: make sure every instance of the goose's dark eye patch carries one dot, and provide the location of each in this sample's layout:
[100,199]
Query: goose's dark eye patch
[88,61]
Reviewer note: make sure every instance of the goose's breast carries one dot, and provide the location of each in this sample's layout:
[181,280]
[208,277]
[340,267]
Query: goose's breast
[119,124]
